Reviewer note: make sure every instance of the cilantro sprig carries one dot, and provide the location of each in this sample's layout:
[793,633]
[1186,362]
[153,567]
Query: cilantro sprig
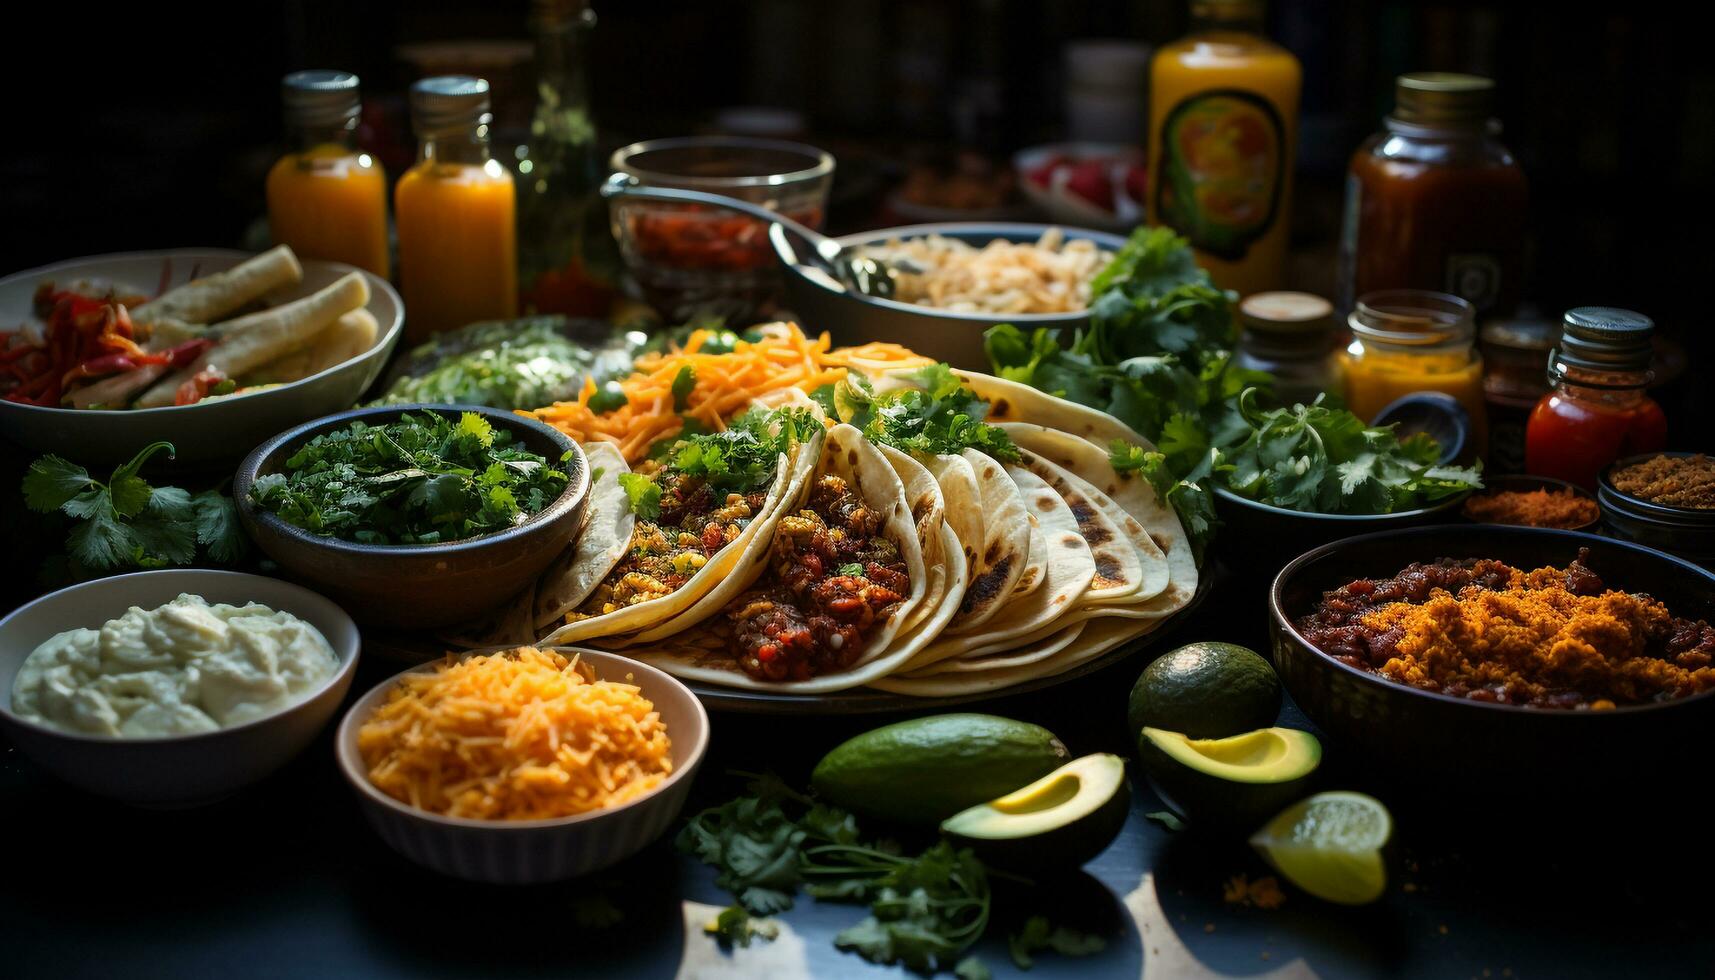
[418,480]
[739,458]
[126,523]
[933,412]
[924,911]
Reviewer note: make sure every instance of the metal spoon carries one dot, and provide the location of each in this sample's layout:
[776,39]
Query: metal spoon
[858,273]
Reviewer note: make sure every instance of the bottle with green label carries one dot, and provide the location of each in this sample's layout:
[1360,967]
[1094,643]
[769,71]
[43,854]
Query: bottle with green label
[1223,133]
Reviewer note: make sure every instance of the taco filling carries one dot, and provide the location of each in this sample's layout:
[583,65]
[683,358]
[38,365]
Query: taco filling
[695,522]
[832,577]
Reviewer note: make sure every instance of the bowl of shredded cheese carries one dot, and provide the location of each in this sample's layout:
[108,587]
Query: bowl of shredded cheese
[523,765]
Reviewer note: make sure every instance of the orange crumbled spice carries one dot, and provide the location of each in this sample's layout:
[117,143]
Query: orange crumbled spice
[1672,481]
[1536,638]
[1533,508]
[1263,893]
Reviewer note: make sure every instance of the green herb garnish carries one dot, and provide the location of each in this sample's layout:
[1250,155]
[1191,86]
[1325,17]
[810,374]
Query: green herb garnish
[1038,935]
[736,927]
[851,568]
[523,363]
[924,911]
[937,413]
[418,480]
[126,523]
[642,495]
[683,382]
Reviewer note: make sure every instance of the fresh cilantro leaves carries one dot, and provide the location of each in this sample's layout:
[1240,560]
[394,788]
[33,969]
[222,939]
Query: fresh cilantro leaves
[125,523]
[1038,935]
[924,911]
[741,457]
[932,411]
[736,927]
[642,495]
[421,479]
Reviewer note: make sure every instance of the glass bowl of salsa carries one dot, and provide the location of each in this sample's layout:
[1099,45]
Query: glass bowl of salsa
[691,258]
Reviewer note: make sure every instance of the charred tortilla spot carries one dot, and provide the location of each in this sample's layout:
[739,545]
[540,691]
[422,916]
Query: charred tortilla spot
[993,554]
[922,507]
[989,473]
[851,457]
[1044,504]
[1073,541]
[1059,599]
[1160,542]
[1108,571]
[1000,407]
[985,588]
[1026,581]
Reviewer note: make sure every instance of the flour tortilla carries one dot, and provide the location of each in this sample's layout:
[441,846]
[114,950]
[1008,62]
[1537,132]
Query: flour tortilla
[725,572]
[708,656]
[1119,567]
[1010,401]
[963,500]
[605,537]
[929,513]
[1019,654]
[208,299]
[1098,638]
[1005,549]
[1070,571]
[1036,562]
[1058,449]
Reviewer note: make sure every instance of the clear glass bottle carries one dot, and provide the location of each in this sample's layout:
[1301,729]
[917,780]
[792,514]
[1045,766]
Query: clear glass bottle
[1406,341]
[326,198]
[1223,131]
[567,261]
[456,212]
[1291,336]
[1435,200]
[1598,409]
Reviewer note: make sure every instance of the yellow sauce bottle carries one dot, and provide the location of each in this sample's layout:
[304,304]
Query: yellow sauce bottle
[326,199]
[1223,109]
[456,212]
[1406,341]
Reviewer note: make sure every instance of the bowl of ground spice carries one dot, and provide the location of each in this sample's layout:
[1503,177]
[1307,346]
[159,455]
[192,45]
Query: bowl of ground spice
[1532,501]
[1664,500]
[1493,662]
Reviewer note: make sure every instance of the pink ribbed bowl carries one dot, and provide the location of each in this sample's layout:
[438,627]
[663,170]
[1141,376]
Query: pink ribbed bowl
[518,852]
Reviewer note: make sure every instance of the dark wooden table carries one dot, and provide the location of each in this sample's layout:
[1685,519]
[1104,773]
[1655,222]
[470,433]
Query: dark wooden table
[286,879]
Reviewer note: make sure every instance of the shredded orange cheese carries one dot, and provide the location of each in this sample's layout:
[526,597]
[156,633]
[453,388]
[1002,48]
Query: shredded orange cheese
[521,735]
[724,385]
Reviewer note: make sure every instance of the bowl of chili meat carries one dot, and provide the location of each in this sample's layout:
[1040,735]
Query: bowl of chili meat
[419,585]
[1663,500]
[1339,615]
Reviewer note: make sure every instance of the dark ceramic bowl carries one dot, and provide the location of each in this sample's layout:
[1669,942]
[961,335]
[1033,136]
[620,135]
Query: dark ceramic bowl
[1685,531]
[1524,483]
[1488,752]
[957,338]
[1254,533]
[418,586]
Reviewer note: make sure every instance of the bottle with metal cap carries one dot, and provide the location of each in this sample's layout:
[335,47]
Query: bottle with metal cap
[457,213]
[1598,409]
[327,199]
[1291,336]
[1436,201]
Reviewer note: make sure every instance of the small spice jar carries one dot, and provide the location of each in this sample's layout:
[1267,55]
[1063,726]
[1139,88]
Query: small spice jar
[1515,364]
[1406,341]
[1597,410]
[1291,336]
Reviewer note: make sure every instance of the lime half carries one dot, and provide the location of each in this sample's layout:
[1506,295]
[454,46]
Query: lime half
[1330,845]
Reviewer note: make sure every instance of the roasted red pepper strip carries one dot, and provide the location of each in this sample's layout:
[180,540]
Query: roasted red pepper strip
[97,367]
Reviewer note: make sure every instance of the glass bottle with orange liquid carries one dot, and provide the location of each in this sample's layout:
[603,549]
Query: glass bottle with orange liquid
[1599,409]
[456,212]
[1406,341]
[1223,108]
[326,199]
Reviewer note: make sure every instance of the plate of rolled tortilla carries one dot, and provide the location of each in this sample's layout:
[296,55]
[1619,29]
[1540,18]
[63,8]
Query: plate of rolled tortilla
[210,349]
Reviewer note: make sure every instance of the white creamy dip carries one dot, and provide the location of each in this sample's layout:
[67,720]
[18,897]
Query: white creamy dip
[186,667]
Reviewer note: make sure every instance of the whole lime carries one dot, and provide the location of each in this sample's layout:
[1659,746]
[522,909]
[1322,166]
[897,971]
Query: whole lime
[1205,690]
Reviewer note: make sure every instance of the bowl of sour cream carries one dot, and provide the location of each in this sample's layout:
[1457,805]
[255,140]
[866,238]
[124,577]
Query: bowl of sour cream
[174,687]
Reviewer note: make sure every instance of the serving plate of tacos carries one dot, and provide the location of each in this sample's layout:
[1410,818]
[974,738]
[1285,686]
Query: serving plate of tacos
[901,536]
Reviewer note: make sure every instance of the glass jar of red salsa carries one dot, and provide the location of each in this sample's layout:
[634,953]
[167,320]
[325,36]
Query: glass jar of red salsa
[1597,409]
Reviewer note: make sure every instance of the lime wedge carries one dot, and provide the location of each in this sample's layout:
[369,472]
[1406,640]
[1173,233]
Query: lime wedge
[1330,845]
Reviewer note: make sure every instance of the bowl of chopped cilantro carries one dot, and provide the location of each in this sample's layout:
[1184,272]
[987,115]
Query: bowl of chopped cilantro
[415,516]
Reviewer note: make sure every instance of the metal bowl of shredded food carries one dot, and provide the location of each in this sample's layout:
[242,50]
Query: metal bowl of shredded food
[953,282]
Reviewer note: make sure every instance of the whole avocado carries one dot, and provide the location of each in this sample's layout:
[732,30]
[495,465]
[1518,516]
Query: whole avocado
[1205,690]
[927,769]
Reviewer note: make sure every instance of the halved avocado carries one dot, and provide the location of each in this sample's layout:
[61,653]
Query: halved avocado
[1057,823]
[1230,783]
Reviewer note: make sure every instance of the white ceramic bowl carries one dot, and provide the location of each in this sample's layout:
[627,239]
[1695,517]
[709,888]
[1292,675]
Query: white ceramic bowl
[213,431]
[516,852]
[181,770]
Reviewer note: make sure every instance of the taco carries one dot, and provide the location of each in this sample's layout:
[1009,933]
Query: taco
[705,512]
[1005,552]
[1080,444]
[605,537]
[840,576]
